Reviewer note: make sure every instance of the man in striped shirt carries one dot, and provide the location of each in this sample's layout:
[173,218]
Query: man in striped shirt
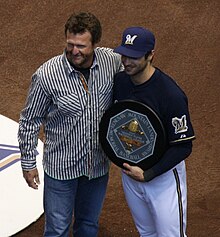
[68,96]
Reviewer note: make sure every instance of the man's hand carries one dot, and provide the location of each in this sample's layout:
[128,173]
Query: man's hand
[32,178]
[134,172]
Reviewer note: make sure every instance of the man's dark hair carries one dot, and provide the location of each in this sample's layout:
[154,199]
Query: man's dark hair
[146,56]
[82,22]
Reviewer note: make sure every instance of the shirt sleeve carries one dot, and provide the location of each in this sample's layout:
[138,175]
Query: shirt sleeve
[31,118]
[173,156]
[179,133]
[178,124]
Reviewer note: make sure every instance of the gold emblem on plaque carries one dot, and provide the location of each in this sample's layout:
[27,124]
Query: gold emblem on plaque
[134,128]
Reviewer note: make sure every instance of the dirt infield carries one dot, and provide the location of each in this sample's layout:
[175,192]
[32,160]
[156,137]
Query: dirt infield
[187,48]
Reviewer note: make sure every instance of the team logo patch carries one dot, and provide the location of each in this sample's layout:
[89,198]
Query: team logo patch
[130,40]
[180,124]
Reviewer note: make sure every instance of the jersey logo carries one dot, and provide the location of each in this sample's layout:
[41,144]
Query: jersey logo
[130,40]
[180,124]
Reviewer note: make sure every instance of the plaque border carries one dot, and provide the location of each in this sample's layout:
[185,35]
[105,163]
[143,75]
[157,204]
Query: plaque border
[161,138]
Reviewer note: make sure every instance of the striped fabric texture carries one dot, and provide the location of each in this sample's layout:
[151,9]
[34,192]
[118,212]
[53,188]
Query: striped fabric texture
[70,110]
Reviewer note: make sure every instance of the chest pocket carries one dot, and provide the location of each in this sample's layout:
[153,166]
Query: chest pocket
[70,105]
[105,96]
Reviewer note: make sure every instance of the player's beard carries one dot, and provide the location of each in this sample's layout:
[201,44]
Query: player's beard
[135,70]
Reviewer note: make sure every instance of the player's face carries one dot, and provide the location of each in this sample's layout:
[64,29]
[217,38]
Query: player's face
[79,49]
[134,66]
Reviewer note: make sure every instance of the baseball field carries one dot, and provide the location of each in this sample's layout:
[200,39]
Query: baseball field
[187,48]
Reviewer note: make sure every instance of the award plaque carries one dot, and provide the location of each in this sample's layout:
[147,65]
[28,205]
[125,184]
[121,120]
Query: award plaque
[131,132]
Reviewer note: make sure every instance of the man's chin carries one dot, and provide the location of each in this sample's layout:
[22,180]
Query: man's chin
[77,63]
[129,72]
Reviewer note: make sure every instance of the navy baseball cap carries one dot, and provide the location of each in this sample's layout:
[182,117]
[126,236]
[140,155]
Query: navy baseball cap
[136,42]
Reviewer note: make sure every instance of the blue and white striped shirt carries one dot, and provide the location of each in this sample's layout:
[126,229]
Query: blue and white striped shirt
[70,110]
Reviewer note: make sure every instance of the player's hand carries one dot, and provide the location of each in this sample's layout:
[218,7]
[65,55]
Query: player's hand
[134,172]
[32,178]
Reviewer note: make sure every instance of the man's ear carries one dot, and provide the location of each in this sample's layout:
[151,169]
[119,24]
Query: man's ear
[151,55]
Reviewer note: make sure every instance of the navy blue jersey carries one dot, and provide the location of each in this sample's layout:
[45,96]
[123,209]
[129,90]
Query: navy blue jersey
[165,97]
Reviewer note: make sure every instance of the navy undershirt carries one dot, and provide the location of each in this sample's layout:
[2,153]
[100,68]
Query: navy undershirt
[84,71]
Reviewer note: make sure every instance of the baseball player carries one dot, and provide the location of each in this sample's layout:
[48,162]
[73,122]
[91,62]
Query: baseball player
[157,197]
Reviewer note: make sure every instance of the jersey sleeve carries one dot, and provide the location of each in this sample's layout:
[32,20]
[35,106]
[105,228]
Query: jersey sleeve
[178,124]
